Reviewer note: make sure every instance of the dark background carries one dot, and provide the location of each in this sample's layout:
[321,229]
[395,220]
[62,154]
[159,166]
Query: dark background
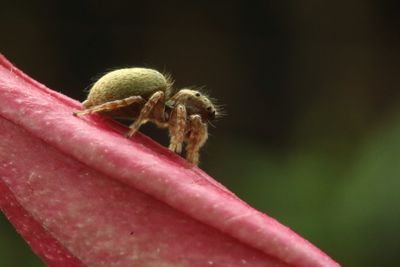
[311,89]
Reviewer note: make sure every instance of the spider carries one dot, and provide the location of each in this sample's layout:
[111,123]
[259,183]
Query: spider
[146,95]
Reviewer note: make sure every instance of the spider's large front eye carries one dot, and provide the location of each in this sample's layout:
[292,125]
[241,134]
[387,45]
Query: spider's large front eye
[197,94]
[212,115]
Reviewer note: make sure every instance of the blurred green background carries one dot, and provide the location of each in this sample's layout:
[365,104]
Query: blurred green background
[311,89]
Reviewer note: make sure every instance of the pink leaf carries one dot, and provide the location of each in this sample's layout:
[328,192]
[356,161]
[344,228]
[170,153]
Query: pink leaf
[83,195]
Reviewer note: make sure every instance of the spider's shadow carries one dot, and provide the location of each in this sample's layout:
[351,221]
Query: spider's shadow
[151,130]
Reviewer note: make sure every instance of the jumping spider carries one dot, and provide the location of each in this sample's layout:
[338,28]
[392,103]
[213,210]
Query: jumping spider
[146,95]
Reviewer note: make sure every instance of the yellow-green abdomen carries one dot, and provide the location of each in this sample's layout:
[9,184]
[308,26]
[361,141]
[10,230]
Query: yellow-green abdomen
[123,83]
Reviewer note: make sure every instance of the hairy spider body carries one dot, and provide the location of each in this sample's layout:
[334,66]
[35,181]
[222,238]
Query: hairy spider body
[119,86]
[146,95]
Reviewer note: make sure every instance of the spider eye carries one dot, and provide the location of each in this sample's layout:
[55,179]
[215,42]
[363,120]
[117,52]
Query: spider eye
[209,108]
[212,115]
[197,94]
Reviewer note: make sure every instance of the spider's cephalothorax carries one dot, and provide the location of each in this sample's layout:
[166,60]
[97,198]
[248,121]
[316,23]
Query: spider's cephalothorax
[145,95]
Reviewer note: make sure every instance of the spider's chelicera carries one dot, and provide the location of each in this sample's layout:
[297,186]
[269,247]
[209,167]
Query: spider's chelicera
[146,95]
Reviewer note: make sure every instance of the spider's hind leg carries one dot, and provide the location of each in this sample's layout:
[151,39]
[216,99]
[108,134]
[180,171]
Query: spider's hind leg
[109,106]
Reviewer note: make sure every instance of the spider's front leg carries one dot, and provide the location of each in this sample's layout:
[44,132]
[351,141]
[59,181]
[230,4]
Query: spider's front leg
[154,106]
[177,126]
[197,135]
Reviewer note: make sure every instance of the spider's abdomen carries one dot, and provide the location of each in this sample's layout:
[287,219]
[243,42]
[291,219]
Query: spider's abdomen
[123,83]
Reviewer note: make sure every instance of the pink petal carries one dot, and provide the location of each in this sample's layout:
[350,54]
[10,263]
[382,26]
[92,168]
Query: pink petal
[83,195]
